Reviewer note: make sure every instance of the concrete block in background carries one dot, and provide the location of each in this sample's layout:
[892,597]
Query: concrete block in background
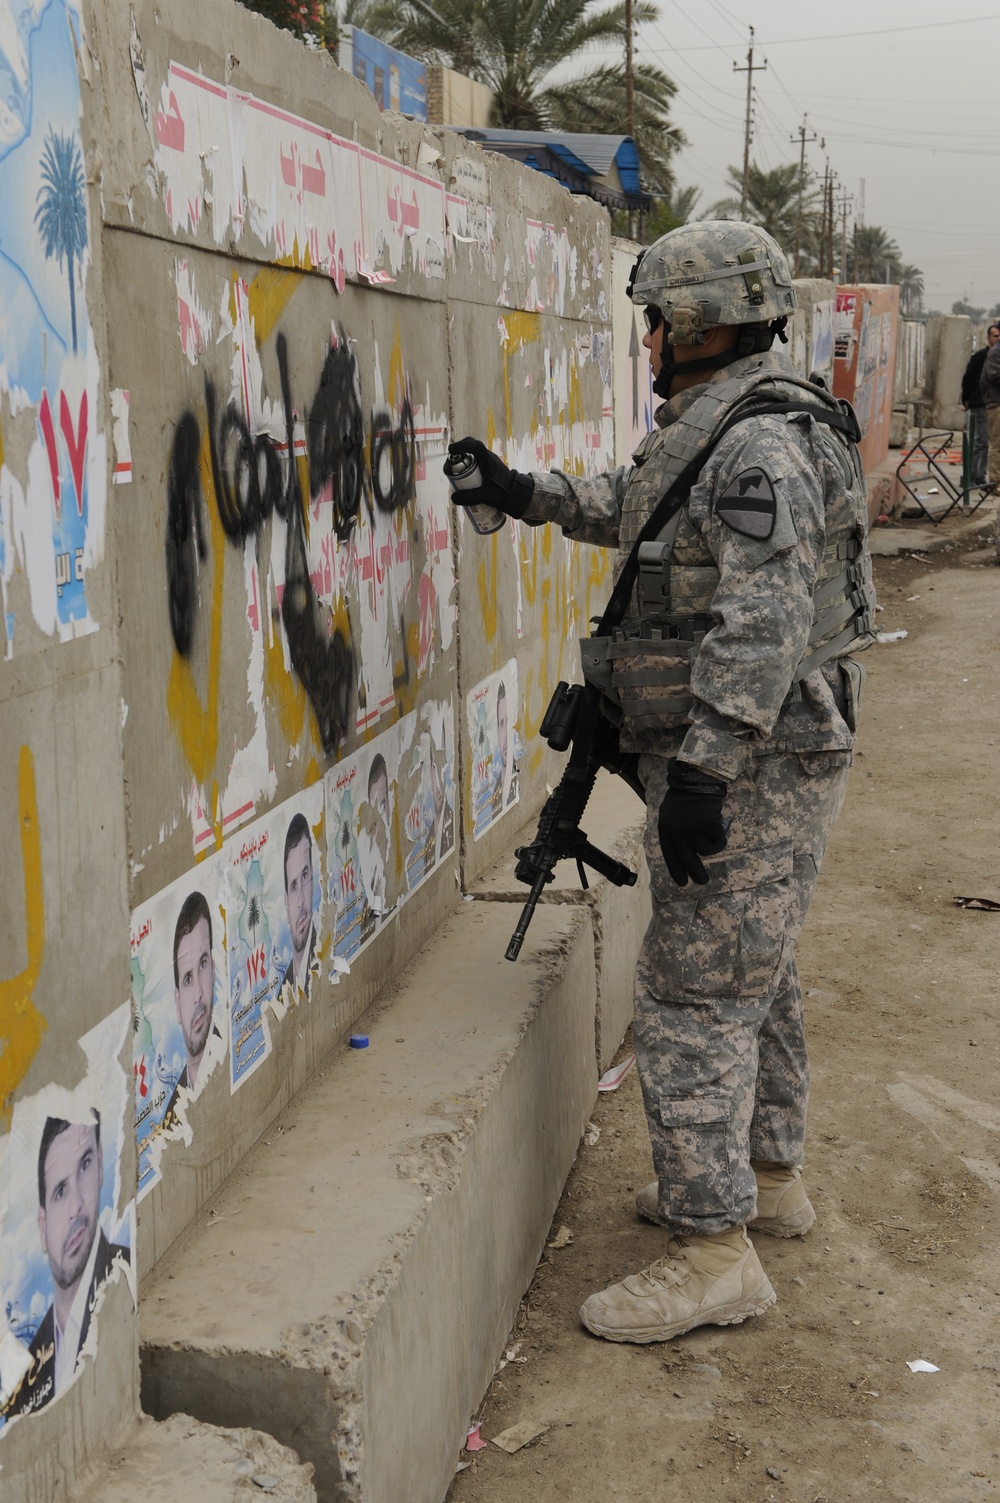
[885,489]
[948,347]
[189,1461]
[619,915]
[900,424]
[354,1281]
[811,328]
[909,376]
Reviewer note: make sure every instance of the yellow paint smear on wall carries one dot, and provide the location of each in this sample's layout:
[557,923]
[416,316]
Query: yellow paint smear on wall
[21,1023]
[271,290]
[522,328]
[284,691]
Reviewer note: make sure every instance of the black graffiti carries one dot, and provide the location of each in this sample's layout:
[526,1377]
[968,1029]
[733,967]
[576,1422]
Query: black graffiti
[184,531]
[246,471]
[335,436]
[323,661]
[252,480]
[394,459]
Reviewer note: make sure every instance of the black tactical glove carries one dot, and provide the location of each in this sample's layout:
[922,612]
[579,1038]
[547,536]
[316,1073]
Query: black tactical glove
[690,822]
[506,489]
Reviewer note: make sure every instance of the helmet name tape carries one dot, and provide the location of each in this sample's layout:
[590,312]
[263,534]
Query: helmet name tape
[715,275]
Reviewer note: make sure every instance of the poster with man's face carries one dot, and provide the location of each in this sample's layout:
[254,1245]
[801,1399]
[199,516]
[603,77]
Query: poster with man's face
[390,819]
[179,996]
[494,718]
[67,1225]
[274,896]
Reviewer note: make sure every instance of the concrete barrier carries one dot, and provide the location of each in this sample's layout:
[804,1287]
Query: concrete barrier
[355,1280]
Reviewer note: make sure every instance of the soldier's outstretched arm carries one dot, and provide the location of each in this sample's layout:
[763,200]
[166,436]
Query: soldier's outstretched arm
[587,510]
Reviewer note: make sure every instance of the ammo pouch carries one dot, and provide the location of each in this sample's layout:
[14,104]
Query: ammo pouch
[644,669]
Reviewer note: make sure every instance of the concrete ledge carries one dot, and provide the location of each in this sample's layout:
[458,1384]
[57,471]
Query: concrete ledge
[885,490]
[181,1461]
[613,822]
[354,1281]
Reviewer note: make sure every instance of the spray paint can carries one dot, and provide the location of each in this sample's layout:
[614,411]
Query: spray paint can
[464,474]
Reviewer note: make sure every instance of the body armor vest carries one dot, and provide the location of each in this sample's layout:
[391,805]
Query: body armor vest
[644,667]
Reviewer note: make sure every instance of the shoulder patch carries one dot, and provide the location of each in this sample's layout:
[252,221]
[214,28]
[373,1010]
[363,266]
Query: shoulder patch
[748,505]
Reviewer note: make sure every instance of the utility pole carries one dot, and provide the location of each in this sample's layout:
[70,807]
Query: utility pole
[749,71]
[843,206]
[803,138]
[629,97]
[826,225]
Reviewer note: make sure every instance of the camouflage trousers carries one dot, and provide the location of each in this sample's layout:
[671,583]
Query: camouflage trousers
[719,1038]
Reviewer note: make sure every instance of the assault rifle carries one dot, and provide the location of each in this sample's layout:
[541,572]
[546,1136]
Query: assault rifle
[573,715]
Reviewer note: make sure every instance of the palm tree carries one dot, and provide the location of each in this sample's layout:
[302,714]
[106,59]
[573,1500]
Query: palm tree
[773,203]
[61,214]
[669,212]
[254,916]
[874,256]
[341,13]
[911,291]
[513,46]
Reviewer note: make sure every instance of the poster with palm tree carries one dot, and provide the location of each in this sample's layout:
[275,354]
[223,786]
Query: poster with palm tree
[47,357]
[61,214]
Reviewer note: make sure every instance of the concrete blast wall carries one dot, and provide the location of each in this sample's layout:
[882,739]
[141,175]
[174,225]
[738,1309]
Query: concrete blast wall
[949,342]
[268,706]
[811,329]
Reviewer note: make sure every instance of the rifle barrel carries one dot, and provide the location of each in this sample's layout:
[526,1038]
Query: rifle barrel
[517,938]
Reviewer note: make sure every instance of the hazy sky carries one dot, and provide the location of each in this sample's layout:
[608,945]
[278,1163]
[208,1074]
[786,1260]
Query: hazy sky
[906,100]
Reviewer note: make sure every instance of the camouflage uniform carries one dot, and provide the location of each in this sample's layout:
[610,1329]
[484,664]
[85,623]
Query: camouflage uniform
[718,1007]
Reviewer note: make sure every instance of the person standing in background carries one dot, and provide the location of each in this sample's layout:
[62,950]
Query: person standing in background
[972,401]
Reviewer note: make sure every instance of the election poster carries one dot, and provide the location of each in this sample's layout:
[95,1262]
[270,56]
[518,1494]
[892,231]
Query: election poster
[390,821]
[495,746]
[67,1224]
[180,993]
[273,899]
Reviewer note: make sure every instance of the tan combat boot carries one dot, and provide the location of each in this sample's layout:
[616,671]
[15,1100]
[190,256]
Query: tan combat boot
[783,1207]
[702,1281]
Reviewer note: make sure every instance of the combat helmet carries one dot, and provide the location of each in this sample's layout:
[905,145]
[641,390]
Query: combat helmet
[717,271]
[712,273]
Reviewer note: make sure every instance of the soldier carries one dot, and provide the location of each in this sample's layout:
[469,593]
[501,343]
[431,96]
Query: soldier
[731,680]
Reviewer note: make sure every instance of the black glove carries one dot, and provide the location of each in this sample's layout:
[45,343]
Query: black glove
[506,489]
[690,822]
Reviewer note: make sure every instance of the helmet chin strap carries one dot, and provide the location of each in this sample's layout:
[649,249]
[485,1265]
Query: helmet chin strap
[671,367]
[754,339]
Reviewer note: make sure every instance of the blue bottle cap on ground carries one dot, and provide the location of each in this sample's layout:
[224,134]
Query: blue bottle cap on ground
[359,1041]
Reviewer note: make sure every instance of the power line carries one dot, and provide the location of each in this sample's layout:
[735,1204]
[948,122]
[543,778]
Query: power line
[698,27]
[961,151]
[841,36]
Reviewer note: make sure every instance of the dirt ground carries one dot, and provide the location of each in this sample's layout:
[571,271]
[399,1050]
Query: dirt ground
[814,1400]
